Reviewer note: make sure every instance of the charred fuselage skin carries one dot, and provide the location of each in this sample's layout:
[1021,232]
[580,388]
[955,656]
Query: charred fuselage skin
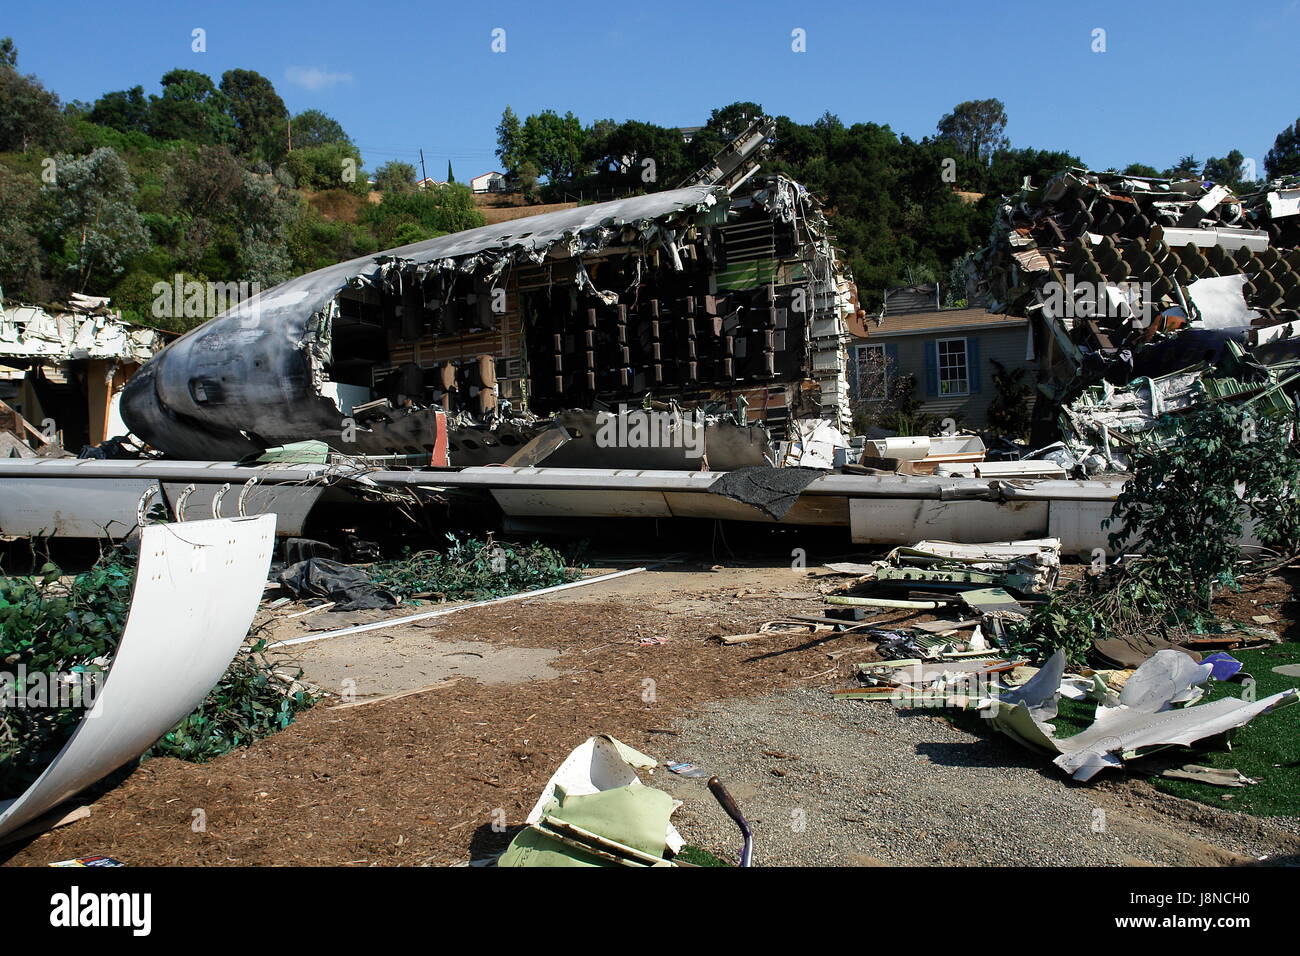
[691,297]
[242,382]
[250,378]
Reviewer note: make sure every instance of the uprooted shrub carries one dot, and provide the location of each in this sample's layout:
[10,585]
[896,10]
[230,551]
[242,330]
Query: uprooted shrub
[474,570]
[1193,491]
[59,633]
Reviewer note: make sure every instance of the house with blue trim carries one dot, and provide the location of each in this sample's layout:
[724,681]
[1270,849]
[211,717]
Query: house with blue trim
[949,354]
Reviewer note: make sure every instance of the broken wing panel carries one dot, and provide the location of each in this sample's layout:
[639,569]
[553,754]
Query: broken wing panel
[196,590]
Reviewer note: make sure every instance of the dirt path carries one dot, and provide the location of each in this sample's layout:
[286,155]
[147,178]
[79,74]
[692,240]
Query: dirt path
[418,780]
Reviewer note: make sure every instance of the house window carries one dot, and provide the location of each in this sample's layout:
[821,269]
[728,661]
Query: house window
[954,369]
[874,373]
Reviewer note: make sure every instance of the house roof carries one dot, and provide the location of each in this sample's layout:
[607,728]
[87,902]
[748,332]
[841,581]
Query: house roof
[941,320]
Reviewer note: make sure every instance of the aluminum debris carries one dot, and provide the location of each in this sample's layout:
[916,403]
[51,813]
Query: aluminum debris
[1144,716]
[196,592]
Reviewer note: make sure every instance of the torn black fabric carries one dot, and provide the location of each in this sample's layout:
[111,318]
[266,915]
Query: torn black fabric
[772,490]
[349,588]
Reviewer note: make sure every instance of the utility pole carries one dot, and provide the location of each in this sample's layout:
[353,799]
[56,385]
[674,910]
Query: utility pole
[290,127]
[424,173]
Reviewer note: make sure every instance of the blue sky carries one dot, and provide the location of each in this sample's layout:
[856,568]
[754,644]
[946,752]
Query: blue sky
[1175,78]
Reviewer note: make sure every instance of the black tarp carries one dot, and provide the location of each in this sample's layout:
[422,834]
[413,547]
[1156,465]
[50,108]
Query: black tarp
[772,490]
[350,588]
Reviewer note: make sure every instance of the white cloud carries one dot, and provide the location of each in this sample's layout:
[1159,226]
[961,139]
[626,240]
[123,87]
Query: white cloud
[314,78]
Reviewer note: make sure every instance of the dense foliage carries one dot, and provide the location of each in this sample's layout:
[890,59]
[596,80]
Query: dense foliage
[51,626]
[197,181]
[474,570]
[1214,473]
[53,629]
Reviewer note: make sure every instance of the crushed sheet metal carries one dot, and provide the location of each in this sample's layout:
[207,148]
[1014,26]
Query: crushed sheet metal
[196,590]
[32,332]
[1141,717]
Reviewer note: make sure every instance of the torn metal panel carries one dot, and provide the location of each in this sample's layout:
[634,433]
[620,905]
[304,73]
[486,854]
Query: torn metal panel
[1141,718]
[194,598]
[1283,202]
[29,332]
[595,811]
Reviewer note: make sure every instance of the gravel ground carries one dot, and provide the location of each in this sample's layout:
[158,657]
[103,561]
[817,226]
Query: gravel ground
[829,782]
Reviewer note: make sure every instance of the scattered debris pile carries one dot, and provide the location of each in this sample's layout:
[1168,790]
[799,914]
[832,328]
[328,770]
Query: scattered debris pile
[1153,711]
[1164,289]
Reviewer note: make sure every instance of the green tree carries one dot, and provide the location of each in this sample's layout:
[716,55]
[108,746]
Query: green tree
[526,176]
[1188,166]
[1229,170]
[125,110]
[451,177]
[29,113]
[259,115]
[977,128]
[190,108]
[395,176]
[650,157]
[1011,167]
[332,166]
[1141,169]
[93,214]
[314,128]
[1284,158]
[510,145]
[20,252]
[554,143]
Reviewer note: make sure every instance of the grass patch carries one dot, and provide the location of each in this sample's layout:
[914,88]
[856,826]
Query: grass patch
[698,857]
[1268,748]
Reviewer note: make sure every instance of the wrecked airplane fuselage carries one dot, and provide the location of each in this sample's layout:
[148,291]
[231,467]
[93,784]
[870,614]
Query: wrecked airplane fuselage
[729,304]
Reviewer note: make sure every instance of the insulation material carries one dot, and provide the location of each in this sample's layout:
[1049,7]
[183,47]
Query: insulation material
[197,588]
[1220,302]
[772,490]
[598,764]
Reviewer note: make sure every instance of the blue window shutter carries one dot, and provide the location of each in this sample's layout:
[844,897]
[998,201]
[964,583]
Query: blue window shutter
[973,363]
[931,369]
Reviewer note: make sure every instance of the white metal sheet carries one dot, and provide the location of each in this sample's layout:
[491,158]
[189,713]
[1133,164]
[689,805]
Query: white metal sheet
[900,521]
[196,590]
